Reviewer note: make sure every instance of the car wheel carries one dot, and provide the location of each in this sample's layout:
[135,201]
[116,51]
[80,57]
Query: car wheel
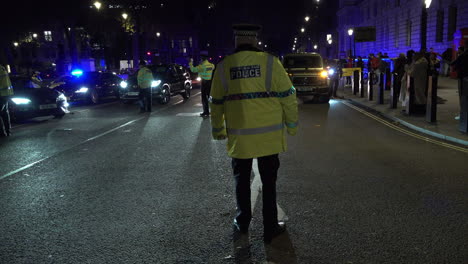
[166,95]
[94,96]
[186,94]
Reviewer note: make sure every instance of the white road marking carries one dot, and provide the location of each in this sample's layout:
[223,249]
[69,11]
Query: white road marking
[256,188]
[188,114]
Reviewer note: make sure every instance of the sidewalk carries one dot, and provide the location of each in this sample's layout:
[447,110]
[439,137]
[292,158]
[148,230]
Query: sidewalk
[446,127]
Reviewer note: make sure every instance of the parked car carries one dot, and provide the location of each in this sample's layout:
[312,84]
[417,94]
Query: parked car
[308,75]
[169,80]
[88,86]
[34,102]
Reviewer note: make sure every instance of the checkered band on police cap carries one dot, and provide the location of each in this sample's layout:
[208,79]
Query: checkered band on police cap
[246,30]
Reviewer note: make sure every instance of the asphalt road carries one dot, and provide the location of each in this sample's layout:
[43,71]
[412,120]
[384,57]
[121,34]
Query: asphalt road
[109,185]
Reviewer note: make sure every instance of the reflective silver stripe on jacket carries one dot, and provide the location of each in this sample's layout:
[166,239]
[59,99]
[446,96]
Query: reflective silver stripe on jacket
[292,125]
[223,77]
[269,73]
[255,131]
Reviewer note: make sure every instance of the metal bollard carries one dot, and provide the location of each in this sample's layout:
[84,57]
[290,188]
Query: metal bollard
[370,92]
[410,96]
[431,105]
[361,85]
[356,82]
[463,90]
[395,91]
[381,88]
[388,79]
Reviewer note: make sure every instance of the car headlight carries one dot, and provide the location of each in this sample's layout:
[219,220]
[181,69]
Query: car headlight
[331,71]
[82,90]
[20,101]
[199,79]
[324,74]
[155,83]
[123,84]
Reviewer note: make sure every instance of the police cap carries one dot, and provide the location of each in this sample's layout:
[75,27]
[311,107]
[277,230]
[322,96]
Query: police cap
[246,30]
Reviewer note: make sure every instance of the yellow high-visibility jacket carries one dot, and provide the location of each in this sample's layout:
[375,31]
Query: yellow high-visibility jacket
[145,77]
[205,69]
[5,84]
[252,102]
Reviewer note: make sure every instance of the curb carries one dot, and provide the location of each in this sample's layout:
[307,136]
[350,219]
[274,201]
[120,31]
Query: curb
[411,126]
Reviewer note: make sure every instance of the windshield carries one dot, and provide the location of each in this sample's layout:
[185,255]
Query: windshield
[19,83]
[303,62]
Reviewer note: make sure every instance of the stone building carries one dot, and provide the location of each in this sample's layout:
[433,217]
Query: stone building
[399,25]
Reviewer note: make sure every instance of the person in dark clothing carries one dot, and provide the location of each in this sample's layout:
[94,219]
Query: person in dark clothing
[446,59]
[461,66]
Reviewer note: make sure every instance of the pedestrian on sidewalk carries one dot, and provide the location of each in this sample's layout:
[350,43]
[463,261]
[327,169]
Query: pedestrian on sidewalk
[399,71]
[252,101]
[446,60]
[461,66]
[404,80]
[418,71]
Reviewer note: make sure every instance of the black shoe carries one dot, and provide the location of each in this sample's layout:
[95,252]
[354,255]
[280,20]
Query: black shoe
[268,235]
[238,228]
[204,114]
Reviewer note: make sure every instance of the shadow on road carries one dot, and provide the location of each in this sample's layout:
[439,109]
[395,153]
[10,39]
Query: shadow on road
[281,250]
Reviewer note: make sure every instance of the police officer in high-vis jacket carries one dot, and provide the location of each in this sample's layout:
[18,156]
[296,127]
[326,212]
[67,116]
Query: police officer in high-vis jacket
[254,106]
[205,71]
[144,78]
[6,90]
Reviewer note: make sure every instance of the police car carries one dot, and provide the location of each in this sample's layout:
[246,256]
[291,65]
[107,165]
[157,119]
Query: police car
[308,74]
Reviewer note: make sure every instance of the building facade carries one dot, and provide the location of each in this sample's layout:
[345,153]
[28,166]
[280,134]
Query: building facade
[399,25]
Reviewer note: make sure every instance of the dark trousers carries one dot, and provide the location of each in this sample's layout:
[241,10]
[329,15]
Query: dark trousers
[5,125]
[205,95]
[268,167]
[146,100]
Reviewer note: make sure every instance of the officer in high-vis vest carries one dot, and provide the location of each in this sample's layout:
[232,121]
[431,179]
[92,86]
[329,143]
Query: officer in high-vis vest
[205,72]
[6,90]
[145,78]
[253,105]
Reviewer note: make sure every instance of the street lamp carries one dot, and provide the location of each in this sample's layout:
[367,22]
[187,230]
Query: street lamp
[302,30]
[307,18]
[98,5]
[350,34]
[315,46]
[158,34]
[425,6]
[125,15]
[428,3]
[15,44]
[259,43]
[34,35]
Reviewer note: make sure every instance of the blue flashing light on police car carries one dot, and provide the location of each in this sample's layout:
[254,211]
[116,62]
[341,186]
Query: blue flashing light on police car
[77,72]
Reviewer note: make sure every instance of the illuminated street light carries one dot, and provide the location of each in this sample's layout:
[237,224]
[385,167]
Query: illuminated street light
[315,46]
[34,35]
[158,34]
[266,45]
[15,44]
[307,18]
[259,43]
[302,30]
[125,15]
[428,3]
[295,38]
[295,41]
[350,32]
[98,5]
[330,41]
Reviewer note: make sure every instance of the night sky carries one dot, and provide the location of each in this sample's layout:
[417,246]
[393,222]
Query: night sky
[281,20]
